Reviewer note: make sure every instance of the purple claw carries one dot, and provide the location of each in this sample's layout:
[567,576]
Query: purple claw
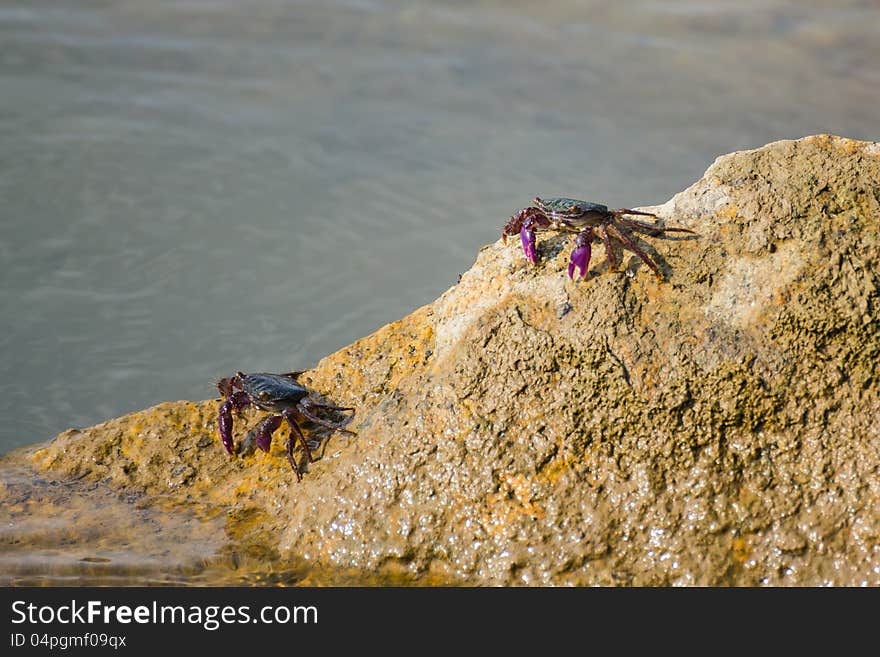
[265,430]
[225,422]
[580,257]
[236,402]
[527,235]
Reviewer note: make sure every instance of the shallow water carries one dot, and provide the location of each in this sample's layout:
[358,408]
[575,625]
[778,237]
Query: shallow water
[76,532]
[57,532]
[190,188]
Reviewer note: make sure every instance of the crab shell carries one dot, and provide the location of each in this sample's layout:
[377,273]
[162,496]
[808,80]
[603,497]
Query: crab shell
[572,211]
[272,392]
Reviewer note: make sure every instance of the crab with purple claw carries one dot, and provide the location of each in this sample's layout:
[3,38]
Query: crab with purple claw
[588,220]
[285,397]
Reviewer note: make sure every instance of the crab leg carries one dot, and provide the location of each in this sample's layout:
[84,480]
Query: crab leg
[308,402]
[628,211]
[609,249]
[294,428]
[305,407]
[632,223]
[619,234]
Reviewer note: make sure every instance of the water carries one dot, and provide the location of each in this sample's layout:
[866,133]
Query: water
[76,532]
[193,187]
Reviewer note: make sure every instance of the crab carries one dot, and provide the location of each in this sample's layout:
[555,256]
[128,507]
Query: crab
[285,397]
[587,220]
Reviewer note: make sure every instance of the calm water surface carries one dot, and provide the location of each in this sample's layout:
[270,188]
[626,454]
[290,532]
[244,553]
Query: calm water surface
[193,187]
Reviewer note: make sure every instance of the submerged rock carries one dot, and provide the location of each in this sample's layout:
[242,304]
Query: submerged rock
[716,428]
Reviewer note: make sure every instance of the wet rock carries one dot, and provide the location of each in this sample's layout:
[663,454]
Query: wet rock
[716,428]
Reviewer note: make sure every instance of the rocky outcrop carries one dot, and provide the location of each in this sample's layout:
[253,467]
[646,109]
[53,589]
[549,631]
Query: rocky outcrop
[719,427]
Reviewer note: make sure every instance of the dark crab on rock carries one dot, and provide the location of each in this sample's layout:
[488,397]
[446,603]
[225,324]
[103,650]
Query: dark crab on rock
[588,220]
[280,394]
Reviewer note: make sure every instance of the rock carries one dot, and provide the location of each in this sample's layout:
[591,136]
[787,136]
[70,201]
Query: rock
[716,428]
